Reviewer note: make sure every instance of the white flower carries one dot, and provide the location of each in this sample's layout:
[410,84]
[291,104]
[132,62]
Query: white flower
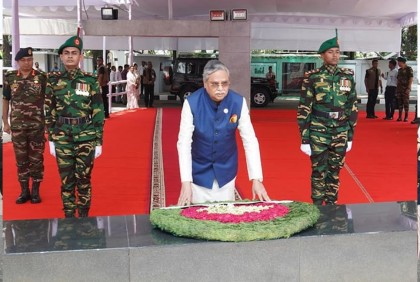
[232,209]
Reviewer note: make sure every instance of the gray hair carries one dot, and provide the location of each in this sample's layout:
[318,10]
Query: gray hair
[213,66]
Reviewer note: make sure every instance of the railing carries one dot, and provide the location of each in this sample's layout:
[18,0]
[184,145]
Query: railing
[115,94]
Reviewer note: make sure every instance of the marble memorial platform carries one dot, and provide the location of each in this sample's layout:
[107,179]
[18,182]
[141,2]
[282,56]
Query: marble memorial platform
[357,242]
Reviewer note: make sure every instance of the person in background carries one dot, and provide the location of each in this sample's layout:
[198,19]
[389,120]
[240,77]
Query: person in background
[390,89]
[142,68]
[23,102]
[74,116]
[103,79]
[271,76]
[132,89]
[113,78]
[123,86]
[37,67]
[55,68]
[327,116]
[119,86]
[149,77]
[372,83]
[404,82]
[207,147]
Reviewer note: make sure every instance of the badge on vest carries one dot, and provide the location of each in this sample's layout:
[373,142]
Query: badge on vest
[233,118]
[345,85]
[82,89]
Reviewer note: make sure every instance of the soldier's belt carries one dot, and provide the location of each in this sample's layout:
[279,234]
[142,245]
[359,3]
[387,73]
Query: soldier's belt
[73,121]
[332,115]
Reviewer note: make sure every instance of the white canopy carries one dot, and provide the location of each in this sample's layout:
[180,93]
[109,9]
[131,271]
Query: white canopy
[363,25]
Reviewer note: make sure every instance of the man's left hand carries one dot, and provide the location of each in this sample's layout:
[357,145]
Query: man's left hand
[349,144]
[258,190]
[98,151]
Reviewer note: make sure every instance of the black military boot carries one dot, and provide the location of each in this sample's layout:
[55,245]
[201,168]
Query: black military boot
[406,117]
[69,214]
[25,195]
[36,198]
[84,212]
[399,115]
[317,202]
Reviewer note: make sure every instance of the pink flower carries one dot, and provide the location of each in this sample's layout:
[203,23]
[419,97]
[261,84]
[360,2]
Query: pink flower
[263,212]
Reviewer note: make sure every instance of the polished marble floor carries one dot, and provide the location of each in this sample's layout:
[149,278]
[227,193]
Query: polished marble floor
[45,235]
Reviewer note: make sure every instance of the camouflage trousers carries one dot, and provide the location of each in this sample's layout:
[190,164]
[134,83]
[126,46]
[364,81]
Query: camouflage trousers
[328,155]
[403,99]
[75,164]
[29,145]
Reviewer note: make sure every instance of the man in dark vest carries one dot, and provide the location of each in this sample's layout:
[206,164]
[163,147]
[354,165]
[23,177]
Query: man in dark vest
[372,83]
[207,148]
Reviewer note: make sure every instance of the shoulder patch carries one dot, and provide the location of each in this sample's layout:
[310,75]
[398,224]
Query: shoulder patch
[308,73]
[10,72]
[88,74]
[347,71]
[54,73]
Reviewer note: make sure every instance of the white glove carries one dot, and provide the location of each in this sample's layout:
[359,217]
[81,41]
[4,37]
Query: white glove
[306,148]
[349,144]
[98,151]
[52,148]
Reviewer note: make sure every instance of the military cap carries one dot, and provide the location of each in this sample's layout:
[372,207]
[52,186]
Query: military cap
[74,41]
[24,52]
[401,59]
[330,43]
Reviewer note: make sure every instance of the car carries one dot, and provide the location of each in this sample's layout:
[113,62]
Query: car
[186,76]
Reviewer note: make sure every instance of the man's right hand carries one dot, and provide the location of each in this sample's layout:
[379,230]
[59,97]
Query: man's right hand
[306,148]
[185,196]
[6,128]
[52,148]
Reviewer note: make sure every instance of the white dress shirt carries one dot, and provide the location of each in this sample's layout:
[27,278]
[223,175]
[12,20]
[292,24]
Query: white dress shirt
[391,77]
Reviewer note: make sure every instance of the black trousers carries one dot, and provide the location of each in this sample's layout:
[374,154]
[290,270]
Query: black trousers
[149,95]
[105,91]
[390,101]
[370,106]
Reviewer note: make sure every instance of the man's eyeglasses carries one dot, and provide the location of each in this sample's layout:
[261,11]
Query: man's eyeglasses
[216,85]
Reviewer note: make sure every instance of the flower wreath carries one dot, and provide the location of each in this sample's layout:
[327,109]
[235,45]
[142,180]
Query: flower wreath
[236,222]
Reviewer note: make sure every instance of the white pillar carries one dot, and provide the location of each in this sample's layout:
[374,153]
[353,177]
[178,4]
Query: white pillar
[104,49]
[80,26]
[15,31]
[130,39]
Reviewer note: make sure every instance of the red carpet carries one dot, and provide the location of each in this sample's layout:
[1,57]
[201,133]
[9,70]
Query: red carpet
[381,166]
[382,160]
[170,128]
[121,177]
[377,170]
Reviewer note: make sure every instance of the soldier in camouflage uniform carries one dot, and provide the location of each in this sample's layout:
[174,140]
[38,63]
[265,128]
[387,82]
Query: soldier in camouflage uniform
[327,115]
[74,117]
[404,81]
[24,92]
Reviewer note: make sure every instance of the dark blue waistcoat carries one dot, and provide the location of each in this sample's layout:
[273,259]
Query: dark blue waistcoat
[214,149]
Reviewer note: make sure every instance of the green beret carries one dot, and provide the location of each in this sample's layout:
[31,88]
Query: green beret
[74,41]
[330,43]
[24,52]
[401,59]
